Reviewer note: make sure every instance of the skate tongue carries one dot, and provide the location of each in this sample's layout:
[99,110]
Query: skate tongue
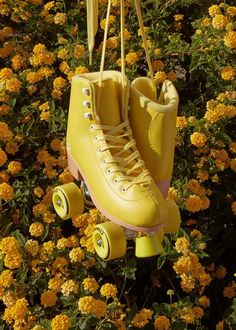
[110,103]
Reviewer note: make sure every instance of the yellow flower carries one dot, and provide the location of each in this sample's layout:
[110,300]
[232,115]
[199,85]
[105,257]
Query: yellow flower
[59,83]
[214,10]
[142,318]
[32,247]
[81,69]
[233,207]
[193,203]
[6,278]
[38,327]
[157,52]
[196,234]
[90,284]
[9,244]
[111,20]
[227,73]
[14,167]
[231,10]
[6,191]
[108,290]
[60,322]
[6,73]
[232,147]
[204,301]
[36,229]
[4,109]
[160,76]
[182,245]
[69,287]
[13,260]
[5,132]
[48,247]
[205,21]
[198,139]
[48,298]
[90,305]
[172,194]
[55,283]
[158,65]
[60,264]
[64,67]
[162,323]
[3,157]
[38,191]
[181,122]
[34,77]
[79,51]
[112,42]
[66,176]
[131,58]
[172,76]
[49,5]
[230,39]
[220,326]
[49,217]
[39,209]
[17,312]
[76,254]
[45,115]
[229,291]
[60,19]
[17,62]
[178,17]
[219,21]
[62,54]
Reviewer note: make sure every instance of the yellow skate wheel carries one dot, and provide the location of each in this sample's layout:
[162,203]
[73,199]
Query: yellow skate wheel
[109,241]
[149,246]
[173,223]
[68,201]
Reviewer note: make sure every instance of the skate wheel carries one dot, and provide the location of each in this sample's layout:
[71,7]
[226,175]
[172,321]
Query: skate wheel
[68,201]
[149,246]
[173,223]
[109,241]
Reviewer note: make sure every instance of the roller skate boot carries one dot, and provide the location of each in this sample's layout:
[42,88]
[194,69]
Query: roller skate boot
[153,122]
[102,152]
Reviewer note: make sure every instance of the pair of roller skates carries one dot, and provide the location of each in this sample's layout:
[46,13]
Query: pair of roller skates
[120,147]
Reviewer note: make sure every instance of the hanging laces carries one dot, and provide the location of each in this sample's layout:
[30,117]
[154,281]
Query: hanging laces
[92,24]
[123,157]
[145,44]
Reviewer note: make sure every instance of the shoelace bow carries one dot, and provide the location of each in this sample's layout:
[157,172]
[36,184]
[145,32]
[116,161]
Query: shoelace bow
[127,158]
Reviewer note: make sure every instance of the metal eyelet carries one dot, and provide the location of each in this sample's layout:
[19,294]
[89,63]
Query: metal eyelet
[115,181]
[86,104]
[88,115]
[109,171]
[91,127]
[99,150]
[103,161]
[95,138]
[85,91]
[123,189]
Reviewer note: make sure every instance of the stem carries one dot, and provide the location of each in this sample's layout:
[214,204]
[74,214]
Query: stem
[171,284]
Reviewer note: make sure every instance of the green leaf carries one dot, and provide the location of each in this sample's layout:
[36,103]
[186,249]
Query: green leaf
[178,325]
[161,260]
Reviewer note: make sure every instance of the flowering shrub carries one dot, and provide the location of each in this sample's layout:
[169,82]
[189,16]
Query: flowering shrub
[50,276]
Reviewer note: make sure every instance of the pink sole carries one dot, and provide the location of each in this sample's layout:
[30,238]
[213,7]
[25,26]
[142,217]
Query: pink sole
[77,174]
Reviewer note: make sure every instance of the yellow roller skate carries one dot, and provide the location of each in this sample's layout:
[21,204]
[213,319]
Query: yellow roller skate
[102,152]
[153,122]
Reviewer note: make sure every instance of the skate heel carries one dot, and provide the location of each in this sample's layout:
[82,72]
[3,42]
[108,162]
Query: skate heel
[149,245]
[73,168]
